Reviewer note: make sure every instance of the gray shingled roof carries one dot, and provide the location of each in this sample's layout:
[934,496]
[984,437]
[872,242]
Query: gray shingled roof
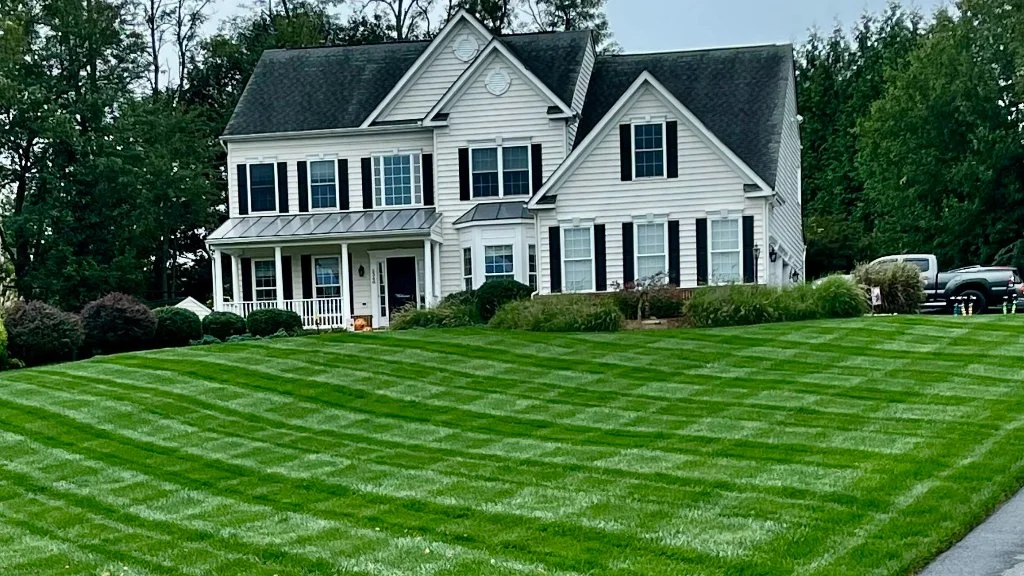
[492,211]
[327,224]
[338,87]
[738,93]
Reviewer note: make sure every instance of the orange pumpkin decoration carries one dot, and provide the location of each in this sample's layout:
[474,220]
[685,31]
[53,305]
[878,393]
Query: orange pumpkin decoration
[359,325]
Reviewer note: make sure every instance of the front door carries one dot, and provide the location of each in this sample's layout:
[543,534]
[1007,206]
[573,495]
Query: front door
[401,284]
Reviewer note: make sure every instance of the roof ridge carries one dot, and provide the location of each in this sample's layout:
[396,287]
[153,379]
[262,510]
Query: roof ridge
[347,46]
[735,48]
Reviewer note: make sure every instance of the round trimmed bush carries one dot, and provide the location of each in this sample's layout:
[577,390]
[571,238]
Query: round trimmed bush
[496,293]
[38,333]
[176,327]
[272,320]
[224,325]
[118,323]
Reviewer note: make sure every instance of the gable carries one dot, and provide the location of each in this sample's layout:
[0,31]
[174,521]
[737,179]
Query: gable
[436,76]
[499,87]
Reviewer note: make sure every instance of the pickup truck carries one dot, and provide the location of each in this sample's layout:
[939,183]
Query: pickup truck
[986,285]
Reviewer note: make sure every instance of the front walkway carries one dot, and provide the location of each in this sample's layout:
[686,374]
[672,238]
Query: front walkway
[996,548]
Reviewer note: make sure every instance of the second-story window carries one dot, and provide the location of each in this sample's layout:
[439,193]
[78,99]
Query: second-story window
[397,180]
[649,150]
[501,171]
[323,189]
[262,190]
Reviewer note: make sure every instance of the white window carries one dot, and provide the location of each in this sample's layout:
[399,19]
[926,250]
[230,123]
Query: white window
[467,268]
[501,171]
[532,270]
[578,259]
[323,190]
[498,263]
[649,150]
[262,188]
[397,180]
[264,273]
[651,249]
[327,274]
[726,262]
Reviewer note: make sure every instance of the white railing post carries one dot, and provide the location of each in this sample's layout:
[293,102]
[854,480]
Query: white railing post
[218,281]
[428,273]
[346,297]
[279,280]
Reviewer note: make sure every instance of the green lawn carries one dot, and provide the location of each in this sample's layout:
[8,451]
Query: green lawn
[860,447]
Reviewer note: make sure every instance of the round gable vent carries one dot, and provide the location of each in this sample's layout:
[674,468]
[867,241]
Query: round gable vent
[498,81]
[466,48]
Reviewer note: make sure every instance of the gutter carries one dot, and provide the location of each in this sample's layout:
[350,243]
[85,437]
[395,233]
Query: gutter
[417,127]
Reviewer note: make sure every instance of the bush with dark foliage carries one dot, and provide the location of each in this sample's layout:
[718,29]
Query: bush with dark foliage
[38,334]
[223,325]
[496,293]
[176,327]
[118,323]
[271,320]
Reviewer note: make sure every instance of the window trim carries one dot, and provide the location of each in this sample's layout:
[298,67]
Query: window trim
[501,170]
[316,284]
[593,263]
[416,176]
[248,192]
[512,251]
[711,252]
[256,289]
[636,248]
[664,148]
[309,183]
[467,279]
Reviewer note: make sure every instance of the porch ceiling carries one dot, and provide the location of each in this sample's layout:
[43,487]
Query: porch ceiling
[335,224]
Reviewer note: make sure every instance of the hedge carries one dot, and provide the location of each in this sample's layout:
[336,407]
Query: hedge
[740,305]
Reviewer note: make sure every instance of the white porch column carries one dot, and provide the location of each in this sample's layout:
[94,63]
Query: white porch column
[346,299]
[437,270]
[218,281]
[279,280]
[428,273]
[236,278]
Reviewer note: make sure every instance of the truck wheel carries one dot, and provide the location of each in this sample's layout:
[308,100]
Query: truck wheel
[980,302]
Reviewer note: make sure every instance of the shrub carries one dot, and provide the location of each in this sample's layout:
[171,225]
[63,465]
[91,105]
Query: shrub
[567,313]
[206,340]
[176,327]
[268,321]
[3,346]
[902,289]
[118,323]
[38,333]
[661,302]
[223,325]
[466,297]
[740,305]
[447,314]
[496,293]
[839,297]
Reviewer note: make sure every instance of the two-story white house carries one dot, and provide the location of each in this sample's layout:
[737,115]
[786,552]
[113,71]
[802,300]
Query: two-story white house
[364,178]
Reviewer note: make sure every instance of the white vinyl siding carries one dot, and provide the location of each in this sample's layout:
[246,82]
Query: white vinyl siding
[578,259]
[786,223]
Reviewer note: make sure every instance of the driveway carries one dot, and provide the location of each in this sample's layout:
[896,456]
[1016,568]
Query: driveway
[996,548]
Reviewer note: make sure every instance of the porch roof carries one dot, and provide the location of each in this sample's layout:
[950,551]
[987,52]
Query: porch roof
[364,223]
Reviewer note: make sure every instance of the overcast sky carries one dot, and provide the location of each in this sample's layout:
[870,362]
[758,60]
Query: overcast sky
[653,25]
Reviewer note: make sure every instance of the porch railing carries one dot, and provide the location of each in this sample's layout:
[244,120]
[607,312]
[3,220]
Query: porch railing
[315,312]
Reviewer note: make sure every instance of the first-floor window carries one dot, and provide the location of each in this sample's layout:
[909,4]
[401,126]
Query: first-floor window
[467,268]
[725,251]
[651,255]
[328,277]
[322,186]
[397,180]
[498,263]
[264,280]
[578,259]
[532,256]
[262,189]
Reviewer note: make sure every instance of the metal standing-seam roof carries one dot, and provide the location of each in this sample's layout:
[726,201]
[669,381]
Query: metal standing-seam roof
[295,226]
[492,211]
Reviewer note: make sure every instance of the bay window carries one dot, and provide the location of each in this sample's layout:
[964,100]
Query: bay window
[726,259]
[532,269]
[499,263]
[578,259]
[397,180]
[467,268]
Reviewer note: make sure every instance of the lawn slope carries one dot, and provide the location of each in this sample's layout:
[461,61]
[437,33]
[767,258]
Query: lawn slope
[855,447]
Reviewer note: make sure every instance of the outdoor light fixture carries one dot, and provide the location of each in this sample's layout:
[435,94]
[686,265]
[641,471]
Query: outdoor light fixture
[795,276]
[773,255]
[362,271]
[757,252]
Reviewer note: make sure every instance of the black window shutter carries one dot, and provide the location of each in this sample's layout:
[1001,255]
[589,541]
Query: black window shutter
[555,250]
[286,277]
[748,250]
[428,179]
[600,259]
[367,184]
[351,284]
[537,165]
[672,148]
[300,173]
[306,269]
[243,189]
[628,273]
[626,151]
[282,187]
[463,174]
[342,184]
[247,279]
[702,251]
[673,252]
